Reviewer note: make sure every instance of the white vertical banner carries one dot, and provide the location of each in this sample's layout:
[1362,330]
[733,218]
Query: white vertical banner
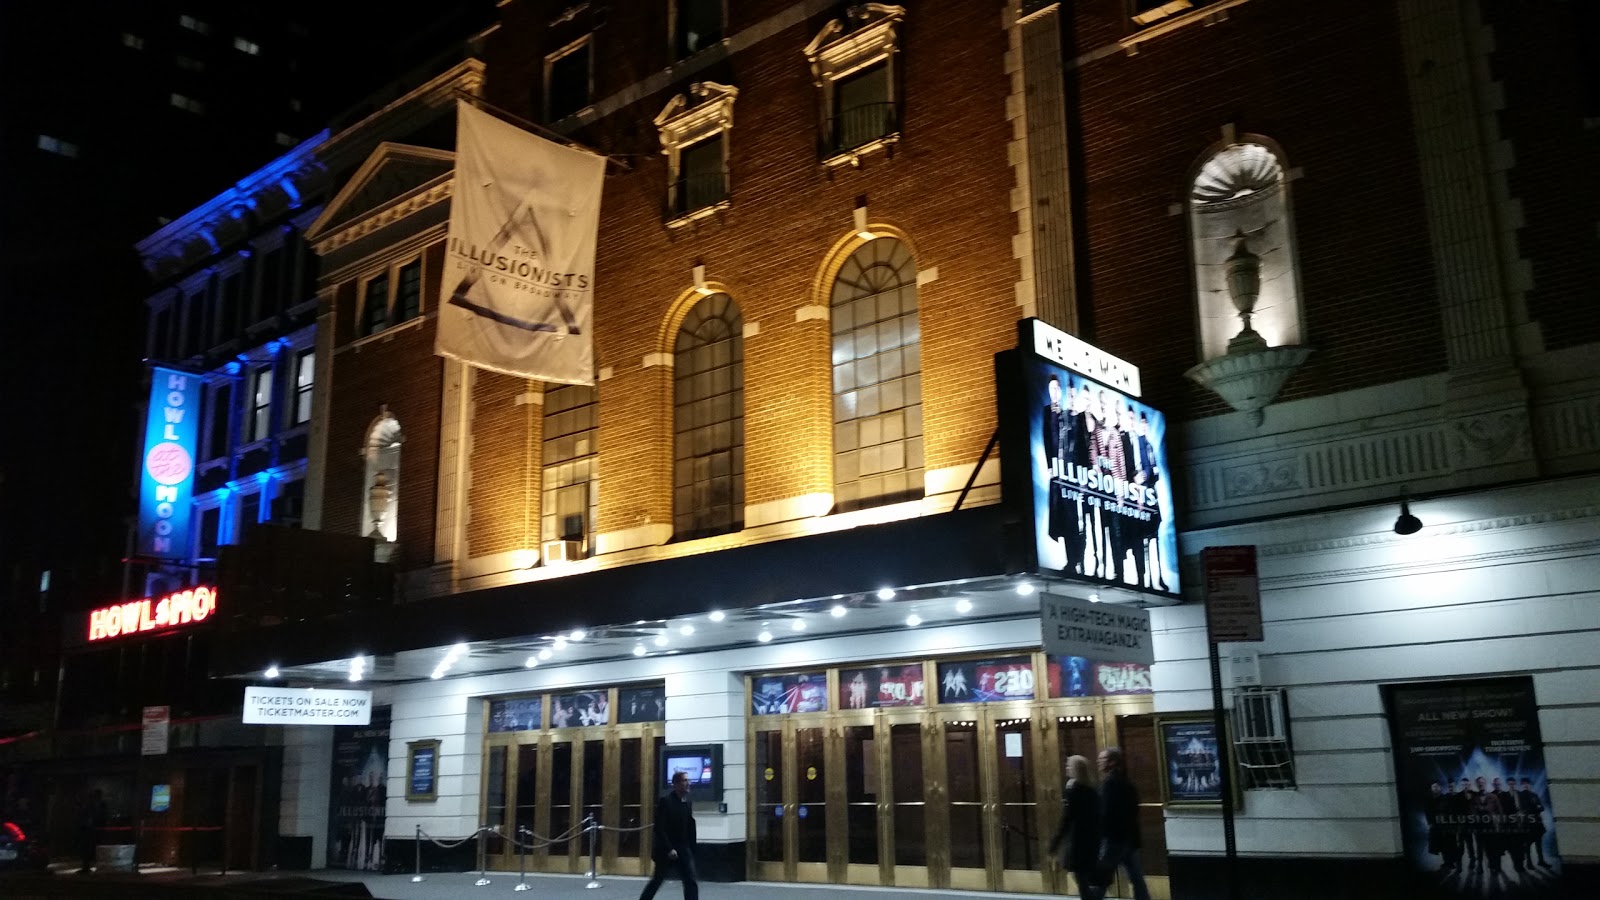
[518,288]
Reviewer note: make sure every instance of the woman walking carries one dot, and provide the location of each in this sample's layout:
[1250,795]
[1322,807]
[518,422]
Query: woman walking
[1077,840]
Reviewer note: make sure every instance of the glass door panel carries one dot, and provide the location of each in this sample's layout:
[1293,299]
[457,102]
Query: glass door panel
[593,794]
[562,814]
[495,800]
[861,794]
[1018,806]
[964,779]
[811,809]
[527,793]
[1136,735]
[909,794]
[631,796]
[769,796]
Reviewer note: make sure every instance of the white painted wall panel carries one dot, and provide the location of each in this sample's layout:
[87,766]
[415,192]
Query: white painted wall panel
[1568,687]
[1341,734]
[1580,840]
[1190,833]
[1329,700]
[1324,802]
[1570,724]
[1364,767]
[1573,762]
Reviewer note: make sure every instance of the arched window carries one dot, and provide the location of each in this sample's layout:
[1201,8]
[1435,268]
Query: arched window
[380,497]
[1243,236]
[877,378]
[708,420]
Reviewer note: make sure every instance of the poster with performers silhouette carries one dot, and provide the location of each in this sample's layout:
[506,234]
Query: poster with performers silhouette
[358,794]
[1094,473]
[1475,812]
[1192,757]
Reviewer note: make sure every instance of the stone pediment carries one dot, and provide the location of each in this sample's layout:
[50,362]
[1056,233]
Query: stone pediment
[391,173]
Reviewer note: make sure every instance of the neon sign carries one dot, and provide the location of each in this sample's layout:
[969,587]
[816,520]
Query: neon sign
[168,470]
[177,608]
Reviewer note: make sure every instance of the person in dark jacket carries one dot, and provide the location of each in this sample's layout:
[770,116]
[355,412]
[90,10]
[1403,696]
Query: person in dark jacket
[674,840]
[1079,831]
[1119,828]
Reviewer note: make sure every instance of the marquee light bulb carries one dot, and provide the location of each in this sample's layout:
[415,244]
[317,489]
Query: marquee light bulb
[686,630]
[913,620]
[560,643]
[963,605]
[886,594]
[838,610]
[798,625]
[1024,589]
[717,615]
[532,661]
[272,672]
[764,636]
[545,653]
[578,635]
[638,650]
[661,640]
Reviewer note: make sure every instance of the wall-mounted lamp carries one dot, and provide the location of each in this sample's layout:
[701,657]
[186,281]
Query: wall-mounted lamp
[1406,523]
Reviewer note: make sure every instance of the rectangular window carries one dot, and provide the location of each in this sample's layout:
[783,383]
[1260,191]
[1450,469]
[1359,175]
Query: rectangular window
[210,524]
[193,24]
[194,338]
[221,405]
[698,25]
[133,41]
[248,47]
[161,333]
[228,312]
[305,373]
[271,284]
[570,424]
[863,108]
[249,514]
[408,292]
[375,306]
[188,103]
[260,403]
[284,140]
[702,181]
[288,507]
[58,146]
[567,82]
[190,64]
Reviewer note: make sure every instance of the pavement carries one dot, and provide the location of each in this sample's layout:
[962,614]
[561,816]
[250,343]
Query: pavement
[573,887]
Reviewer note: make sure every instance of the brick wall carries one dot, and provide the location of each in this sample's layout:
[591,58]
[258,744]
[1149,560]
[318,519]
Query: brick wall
[1538,62]
[503,497]
[1326,82]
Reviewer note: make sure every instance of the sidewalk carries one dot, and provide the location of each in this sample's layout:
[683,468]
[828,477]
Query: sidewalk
[571,887]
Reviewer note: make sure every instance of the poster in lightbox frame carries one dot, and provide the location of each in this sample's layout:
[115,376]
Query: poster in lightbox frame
[799,692]
[882,687]
[987,680]
[641,704]
[1475,838]
[1078,676]
[580,709]
[516,714]
[1192,755]
[358,794]
[1084,496]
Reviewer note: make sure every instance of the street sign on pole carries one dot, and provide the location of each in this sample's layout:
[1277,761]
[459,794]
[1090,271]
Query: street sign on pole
[1233,594]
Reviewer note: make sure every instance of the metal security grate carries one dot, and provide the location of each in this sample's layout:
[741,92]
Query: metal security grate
[1261,741]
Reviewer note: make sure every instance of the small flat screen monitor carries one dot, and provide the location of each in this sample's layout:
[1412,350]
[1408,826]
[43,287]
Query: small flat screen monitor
[701,762]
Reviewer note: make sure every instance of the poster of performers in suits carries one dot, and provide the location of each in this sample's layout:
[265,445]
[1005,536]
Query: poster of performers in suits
[358,794]
[1102,501]
[1475,806]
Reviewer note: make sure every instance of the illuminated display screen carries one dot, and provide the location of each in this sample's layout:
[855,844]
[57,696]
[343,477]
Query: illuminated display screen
[167,469]
[152,614]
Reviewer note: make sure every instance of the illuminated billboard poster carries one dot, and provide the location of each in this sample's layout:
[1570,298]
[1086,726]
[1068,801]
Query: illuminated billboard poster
[167,469]
[1093,470]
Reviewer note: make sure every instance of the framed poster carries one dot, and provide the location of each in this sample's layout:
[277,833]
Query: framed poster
[1192,756]
[1077,676]
[797,693]
[358,794]
[986,680]
[1475,811]
[422,771]
[641,704]
[882,687]
[516,714]
[580,708]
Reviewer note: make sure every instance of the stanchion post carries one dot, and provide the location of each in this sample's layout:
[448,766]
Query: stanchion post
[594,870]
[483,858]
[522,860]
[417,877]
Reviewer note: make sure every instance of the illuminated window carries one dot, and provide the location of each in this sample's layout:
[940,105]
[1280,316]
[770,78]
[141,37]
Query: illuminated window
[210,524]
[188,103]
[1239,208]
[852,62]
[288,504]
[193,24]
[244,46]
[408,292]
[380,497]
[568,80]
[571,498]
[284,140]
[877,378]
[190,64]
[697,24]
[708,420]
[305,374]
[133,41]
[58,146]
[249,514]
[260,403]
[375,305]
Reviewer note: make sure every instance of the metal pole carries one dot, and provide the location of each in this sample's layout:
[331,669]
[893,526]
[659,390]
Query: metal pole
[1225,751]
[483,858]
[417,878]
[594,870]
[522,860]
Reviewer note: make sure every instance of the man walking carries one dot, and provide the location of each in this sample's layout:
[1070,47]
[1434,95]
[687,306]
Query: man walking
[1119,804]
[674,840]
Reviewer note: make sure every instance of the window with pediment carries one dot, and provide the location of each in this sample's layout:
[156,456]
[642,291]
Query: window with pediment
[695,129]
[853,65]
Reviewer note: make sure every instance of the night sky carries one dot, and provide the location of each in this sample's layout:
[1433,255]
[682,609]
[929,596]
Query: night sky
[102,79]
